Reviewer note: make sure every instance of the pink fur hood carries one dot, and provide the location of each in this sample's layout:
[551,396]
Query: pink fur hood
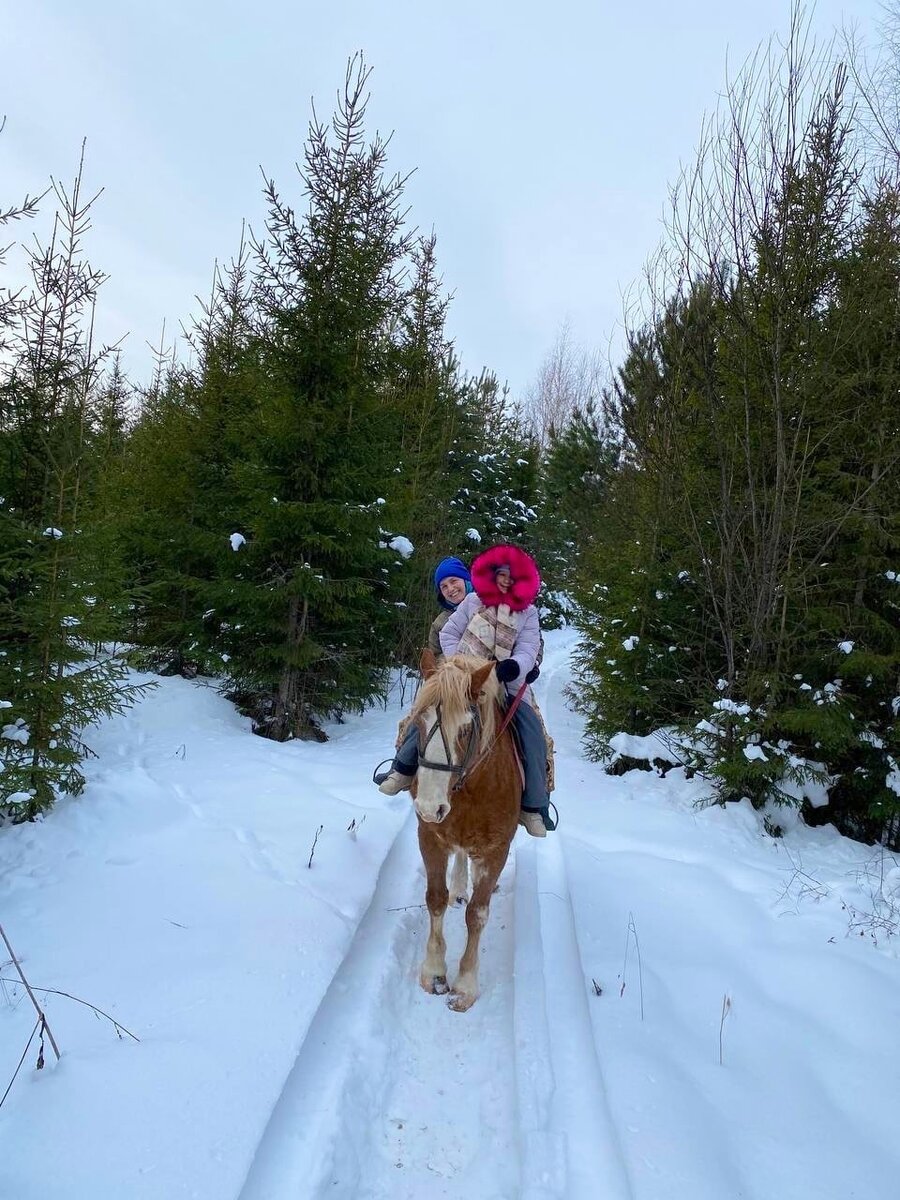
[523,569]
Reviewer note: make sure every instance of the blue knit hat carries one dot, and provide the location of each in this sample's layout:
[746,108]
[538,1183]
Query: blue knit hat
[447,568]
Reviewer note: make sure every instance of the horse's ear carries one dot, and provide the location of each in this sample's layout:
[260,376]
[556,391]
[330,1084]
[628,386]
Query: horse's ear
[479,678]
[427,663]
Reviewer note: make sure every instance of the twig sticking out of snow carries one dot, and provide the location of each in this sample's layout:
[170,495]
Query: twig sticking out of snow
[39,1024]
[313,850]
[117,1025]
[726,1009]
[42,1020]
[630,933]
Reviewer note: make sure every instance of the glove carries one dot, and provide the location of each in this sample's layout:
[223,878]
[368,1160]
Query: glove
[533,674]
[507,670]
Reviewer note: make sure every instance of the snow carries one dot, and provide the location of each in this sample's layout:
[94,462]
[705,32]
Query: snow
[473,535]
[18,797]
[237,540]
[402,546]
[630,642]
[630,745]
[286,1049]
[52,532]
[754,753]
[845,647]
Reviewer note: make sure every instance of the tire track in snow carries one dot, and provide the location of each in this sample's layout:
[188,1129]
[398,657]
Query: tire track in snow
[392,1094]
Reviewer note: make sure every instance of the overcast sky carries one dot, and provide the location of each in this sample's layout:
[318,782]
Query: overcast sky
[544,137]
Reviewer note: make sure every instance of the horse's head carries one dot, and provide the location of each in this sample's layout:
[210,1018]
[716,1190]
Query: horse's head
[454,718]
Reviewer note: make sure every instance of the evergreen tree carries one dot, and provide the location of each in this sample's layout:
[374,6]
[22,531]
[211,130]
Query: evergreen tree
[185,478]
[428,395]
[494,469]
[575,472]
[55,680]
[751,522]
[310,590]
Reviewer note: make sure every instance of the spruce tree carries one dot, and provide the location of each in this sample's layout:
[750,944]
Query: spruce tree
[184,496]
[310,586]
[55,677]
[751,521]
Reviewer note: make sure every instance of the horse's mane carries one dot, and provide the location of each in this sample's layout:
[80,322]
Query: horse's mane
[449,687]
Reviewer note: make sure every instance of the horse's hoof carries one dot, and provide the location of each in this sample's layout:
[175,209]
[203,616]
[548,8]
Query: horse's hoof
[461,1001]
[435,985]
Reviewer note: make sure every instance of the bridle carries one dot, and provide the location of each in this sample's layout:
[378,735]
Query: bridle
[467,767]
[461,770]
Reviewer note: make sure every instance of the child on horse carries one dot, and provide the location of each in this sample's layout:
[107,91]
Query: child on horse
[498,621]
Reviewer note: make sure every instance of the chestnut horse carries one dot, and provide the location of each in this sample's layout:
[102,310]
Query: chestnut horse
[467,794]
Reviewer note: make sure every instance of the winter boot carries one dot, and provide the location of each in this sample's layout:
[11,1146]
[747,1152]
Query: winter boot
[393,782]
[533,822]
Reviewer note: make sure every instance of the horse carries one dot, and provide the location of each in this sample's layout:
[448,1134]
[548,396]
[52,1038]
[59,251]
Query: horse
[467,795]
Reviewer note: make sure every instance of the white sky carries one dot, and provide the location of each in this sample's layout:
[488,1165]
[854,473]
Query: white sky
[544,137]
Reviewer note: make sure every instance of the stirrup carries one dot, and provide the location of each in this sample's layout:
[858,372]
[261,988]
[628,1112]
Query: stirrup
[379,776]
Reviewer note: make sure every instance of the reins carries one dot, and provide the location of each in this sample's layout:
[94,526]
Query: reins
[504,725]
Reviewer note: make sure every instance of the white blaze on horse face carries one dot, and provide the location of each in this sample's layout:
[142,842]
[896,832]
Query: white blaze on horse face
[433,787]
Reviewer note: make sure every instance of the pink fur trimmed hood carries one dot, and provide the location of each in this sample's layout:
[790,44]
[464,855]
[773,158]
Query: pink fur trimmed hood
[523,569]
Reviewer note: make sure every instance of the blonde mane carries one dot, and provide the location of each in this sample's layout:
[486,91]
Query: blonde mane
[449,687]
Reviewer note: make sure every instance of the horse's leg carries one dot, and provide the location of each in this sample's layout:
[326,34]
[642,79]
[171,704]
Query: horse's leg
[459,878]
[485,873]
[433,974]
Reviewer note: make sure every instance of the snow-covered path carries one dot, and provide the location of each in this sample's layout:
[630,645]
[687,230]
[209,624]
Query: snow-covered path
[287,1052]
[393,1095]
